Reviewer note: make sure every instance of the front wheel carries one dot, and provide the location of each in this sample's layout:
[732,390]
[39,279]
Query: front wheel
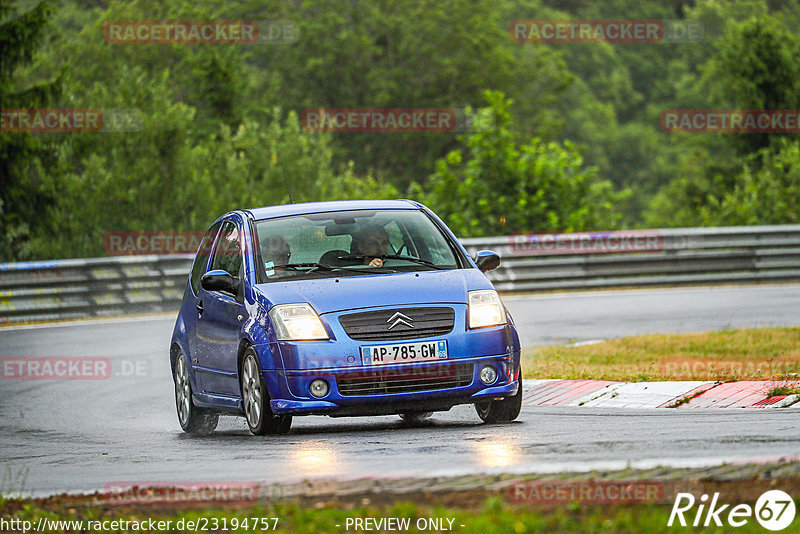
[501,411]
[193,420]
[255,398]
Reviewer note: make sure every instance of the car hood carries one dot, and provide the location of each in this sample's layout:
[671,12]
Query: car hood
[334,294]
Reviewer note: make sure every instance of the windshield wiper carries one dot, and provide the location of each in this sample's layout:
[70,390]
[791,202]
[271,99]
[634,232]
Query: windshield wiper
[311,265]
[314,266]
[395,257]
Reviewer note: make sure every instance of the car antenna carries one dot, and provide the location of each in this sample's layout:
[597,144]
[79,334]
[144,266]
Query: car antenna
[285,181]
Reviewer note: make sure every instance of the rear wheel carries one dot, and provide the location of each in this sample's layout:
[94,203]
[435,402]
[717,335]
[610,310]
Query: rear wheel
[255,398]
[193,420]
[501,411]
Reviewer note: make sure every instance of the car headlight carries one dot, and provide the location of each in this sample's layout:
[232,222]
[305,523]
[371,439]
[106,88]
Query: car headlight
[295,322]
[485,309]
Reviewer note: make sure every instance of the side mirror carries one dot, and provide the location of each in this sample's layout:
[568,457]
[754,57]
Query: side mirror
[486,260]
[219,280]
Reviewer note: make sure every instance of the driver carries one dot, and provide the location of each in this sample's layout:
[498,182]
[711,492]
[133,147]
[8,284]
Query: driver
[371,241]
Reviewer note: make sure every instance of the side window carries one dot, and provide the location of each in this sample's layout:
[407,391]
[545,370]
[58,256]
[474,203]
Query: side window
[228,253]
[201,258]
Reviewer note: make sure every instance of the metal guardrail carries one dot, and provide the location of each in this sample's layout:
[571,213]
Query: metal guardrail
[97,287]
[685,256]
[68,289]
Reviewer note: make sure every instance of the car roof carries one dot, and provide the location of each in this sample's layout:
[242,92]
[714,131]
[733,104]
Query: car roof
[283,210]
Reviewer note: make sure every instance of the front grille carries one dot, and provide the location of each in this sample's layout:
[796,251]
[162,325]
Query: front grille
[412,378]
[375,325]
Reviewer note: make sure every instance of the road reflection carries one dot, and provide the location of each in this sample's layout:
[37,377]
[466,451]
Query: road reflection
[316,458]
[497,454]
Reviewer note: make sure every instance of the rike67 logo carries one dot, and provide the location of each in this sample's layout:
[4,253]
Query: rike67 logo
[774,510]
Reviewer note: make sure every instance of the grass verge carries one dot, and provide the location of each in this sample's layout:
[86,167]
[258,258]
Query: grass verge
[494,516]
[742,354]
[470,503]
[784,390]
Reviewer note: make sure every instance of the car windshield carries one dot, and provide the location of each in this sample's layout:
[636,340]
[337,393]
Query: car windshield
[348,243]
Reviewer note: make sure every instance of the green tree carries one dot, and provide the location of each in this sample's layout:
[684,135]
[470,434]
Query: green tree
[502,187]
[22,195]
[171,172]
[409,54]
[767,191]
[756,67]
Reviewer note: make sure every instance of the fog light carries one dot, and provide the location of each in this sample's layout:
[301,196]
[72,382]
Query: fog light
[488,375]
[319,388]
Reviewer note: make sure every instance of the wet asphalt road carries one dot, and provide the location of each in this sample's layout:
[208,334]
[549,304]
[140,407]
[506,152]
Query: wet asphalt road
[568,317]
[81,435]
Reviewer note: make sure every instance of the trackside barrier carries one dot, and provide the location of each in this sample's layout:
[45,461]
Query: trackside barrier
[96,287]
[679,256]
[65,289]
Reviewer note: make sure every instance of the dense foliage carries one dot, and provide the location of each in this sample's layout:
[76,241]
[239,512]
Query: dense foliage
[565,136]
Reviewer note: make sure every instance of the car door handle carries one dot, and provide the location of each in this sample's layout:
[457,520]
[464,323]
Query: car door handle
[199,306]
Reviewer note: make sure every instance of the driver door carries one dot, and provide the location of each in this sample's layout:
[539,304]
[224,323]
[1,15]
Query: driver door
[219,322]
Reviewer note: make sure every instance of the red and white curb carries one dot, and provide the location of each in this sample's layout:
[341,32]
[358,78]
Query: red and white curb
[685,394]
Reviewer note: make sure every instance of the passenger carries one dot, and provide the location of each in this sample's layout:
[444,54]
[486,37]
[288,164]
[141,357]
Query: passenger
[276,253]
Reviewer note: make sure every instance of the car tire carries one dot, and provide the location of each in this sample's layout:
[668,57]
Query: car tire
[255,400]
[501,411]
[193,420]
[415,418]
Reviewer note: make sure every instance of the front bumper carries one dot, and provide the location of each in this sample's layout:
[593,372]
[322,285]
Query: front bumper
[295,399]
[289,368]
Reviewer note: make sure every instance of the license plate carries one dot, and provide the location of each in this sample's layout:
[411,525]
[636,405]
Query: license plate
[404,353]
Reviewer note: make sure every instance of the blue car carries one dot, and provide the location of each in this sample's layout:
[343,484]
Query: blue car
[340,308]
